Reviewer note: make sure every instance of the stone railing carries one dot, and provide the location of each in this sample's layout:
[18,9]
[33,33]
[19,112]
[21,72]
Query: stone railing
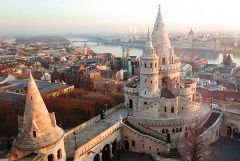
[147,130]
[209,135]
[173,121]
[227,104]
[130,89]
[85,148]
[175,66]
[231,115]
[93,120]
[144,135]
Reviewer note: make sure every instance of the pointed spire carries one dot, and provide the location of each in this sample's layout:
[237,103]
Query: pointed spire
[149,51]
[39,128]
[34,107]
[149,38]
[160,34]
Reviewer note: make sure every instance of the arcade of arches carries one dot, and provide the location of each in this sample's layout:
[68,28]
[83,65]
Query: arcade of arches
[232,132]
[108,152]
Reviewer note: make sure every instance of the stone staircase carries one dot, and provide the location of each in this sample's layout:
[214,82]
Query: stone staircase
[211,120]
[173,153]
[147,131]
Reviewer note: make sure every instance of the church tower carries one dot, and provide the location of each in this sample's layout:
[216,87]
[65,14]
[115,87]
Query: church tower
[148,73]
[169,66]
[39,136]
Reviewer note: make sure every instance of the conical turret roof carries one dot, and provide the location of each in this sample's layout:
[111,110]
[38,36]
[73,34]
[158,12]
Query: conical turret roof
[149,52]
[160,34]
[38,128]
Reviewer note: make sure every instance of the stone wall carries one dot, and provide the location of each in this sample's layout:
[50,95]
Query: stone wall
[141,143]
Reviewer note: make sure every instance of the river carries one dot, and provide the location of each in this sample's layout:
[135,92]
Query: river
[213,58]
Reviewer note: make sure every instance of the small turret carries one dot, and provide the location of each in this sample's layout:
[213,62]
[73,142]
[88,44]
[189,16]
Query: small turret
[38,127]
[149,71]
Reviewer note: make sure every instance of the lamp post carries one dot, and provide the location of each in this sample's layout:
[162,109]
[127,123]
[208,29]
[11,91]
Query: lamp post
[75,139]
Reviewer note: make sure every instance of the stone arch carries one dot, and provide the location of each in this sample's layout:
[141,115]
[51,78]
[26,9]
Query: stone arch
[96,157]
[229,131]
[232,131]
[106,153]
[114,147]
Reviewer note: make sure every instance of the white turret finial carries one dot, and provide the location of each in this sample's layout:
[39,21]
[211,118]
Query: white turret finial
[148,36]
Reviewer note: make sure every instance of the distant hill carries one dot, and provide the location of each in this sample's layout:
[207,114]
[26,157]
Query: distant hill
[43,39]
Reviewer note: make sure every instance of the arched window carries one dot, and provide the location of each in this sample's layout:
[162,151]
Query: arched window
[59,154]
[172,60]
[167,131]
[50,157]
[165,109]
[155,64]
[172,110]
[150,65]
[145,92]
[173,130]
[163,61]
[151,82]
[145,65]
[163,131]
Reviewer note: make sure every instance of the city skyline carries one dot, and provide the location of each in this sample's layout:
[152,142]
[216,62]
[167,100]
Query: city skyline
[61,16]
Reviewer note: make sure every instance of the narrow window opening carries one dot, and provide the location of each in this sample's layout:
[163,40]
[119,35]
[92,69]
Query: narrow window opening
[34,134]
[133,143]
[59,154]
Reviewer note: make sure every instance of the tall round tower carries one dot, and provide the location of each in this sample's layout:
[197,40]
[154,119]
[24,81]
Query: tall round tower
[148,73]
[169,66]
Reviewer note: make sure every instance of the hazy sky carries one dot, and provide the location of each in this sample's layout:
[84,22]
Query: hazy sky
[80,16]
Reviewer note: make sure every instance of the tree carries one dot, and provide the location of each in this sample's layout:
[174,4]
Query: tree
[195,148]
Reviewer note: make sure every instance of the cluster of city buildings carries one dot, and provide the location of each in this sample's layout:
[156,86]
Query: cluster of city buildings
[161,109]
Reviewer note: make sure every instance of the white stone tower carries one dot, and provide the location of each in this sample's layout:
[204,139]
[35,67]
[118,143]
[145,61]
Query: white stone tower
[169,67]
[39,136]
[148,73]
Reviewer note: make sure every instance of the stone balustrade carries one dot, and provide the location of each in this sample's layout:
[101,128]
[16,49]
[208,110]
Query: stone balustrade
[175,66]
[172,121]
[147,137]
[131,90]
[211,134]
[97,140]
[93,120]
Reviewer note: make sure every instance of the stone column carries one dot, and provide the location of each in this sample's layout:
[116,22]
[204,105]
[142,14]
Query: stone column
[100,156]
[110,150]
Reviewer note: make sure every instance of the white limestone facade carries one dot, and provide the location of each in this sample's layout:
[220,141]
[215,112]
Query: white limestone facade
[159,98]
[39,136]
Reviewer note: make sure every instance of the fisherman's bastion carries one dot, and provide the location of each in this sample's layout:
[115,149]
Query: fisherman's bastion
[159,111]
